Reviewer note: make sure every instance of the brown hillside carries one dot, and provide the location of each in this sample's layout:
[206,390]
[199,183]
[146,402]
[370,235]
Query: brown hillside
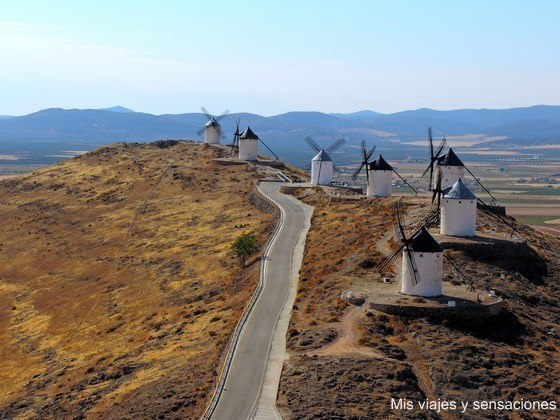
[117,285]
[348,362]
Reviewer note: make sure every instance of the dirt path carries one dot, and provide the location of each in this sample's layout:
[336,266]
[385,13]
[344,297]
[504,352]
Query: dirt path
[348,336]
[421,368]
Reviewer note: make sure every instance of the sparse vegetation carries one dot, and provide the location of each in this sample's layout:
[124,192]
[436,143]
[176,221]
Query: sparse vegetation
[118,288]
[244,246]
[513,356]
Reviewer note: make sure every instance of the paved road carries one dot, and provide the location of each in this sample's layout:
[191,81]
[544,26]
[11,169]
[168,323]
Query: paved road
[243,384]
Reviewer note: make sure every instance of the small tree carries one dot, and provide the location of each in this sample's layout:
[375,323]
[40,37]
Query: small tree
[244,246]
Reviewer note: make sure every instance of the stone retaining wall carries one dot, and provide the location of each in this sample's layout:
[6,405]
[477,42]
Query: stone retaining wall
[443,312]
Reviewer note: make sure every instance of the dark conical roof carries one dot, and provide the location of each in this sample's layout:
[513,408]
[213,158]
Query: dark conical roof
[322,156]
[248,135]
[424,242]
[450,159]
[460,191]
[380,164]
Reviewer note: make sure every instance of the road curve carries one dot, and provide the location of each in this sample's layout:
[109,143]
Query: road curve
[245,377]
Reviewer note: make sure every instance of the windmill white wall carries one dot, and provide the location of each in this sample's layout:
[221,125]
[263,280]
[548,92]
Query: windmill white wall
[248,149]
[248,145]
[212,134]
[380,183]
[458,211]
[449,175]
[321,172]
[430,270]
[458,217]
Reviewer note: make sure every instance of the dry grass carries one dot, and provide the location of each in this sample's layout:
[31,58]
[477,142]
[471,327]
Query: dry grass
[341,241]
[117,287]
[511,357]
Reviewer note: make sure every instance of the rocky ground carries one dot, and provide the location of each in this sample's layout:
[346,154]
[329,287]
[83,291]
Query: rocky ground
[118,289]
[348,363]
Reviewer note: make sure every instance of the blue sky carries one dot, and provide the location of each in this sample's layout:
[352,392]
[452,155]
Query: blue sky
[270,57]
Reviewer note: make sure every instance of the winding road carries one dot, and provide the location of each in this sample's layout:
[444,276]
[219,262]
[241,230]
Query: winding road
[253,358]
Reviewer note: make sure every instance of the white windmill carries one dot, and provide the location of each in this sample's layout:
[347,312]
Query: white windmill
[458,211]
[322,165]
[449,166]
[212,129]
[248,143]
[379,174]
[422,259]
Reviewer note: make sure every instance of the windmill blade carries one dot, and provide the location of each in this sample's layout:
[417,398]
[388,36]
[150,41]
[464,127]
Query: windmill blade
[336,169]
[269,149]
[236,135]
[336,145]
[432,218]
[431,149]
[221,116]
[390,259]
[364,152]
[404,180]
[309,140]
[199,132]
[470,281]
[494,199]
[220,131]
[370,152]
[399,223]
[205,112]
[427,169]
[412,267]
[437,190]
[440,148]
[431,141]
[499,216]
[319,174]
[354,175]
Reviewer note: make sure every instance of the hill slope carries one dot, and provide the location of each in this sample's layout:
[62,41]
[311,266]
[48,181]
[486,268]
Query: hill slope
[117,286]
[348,362]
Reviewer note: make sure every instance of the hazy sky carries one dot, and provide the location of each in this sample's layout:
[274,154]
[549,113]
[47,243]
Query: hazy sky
[270,57]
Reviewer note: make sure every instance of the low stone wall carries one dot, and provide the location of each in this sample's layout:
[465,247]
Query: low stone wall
[501,210]
[289,190]
[442,312]
[261,202]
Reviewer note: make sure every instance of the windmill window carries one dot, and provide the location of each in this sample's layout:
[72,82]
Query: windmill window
[421,255]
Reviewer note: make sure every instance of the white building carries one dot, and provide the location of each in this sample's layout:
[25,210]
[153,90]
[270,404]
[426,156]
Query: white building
[321,169]
[380,182]
[450,167]
[458,211]
[212,132]
[248,145]
[428,257]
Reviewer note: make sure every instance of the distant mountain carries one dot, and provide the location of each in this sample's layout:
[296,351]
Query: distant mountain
[285,132]
[357,115]
[3,117]
[117,108]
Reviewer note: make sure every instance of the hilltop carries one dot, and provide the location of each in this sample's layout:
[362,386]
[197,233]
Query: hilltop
[118,290]
[349,361]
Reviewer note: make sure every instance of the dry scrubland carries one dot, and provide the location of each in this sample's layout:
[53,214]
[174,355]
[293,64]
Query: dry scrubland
[117,286]
[347,362]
